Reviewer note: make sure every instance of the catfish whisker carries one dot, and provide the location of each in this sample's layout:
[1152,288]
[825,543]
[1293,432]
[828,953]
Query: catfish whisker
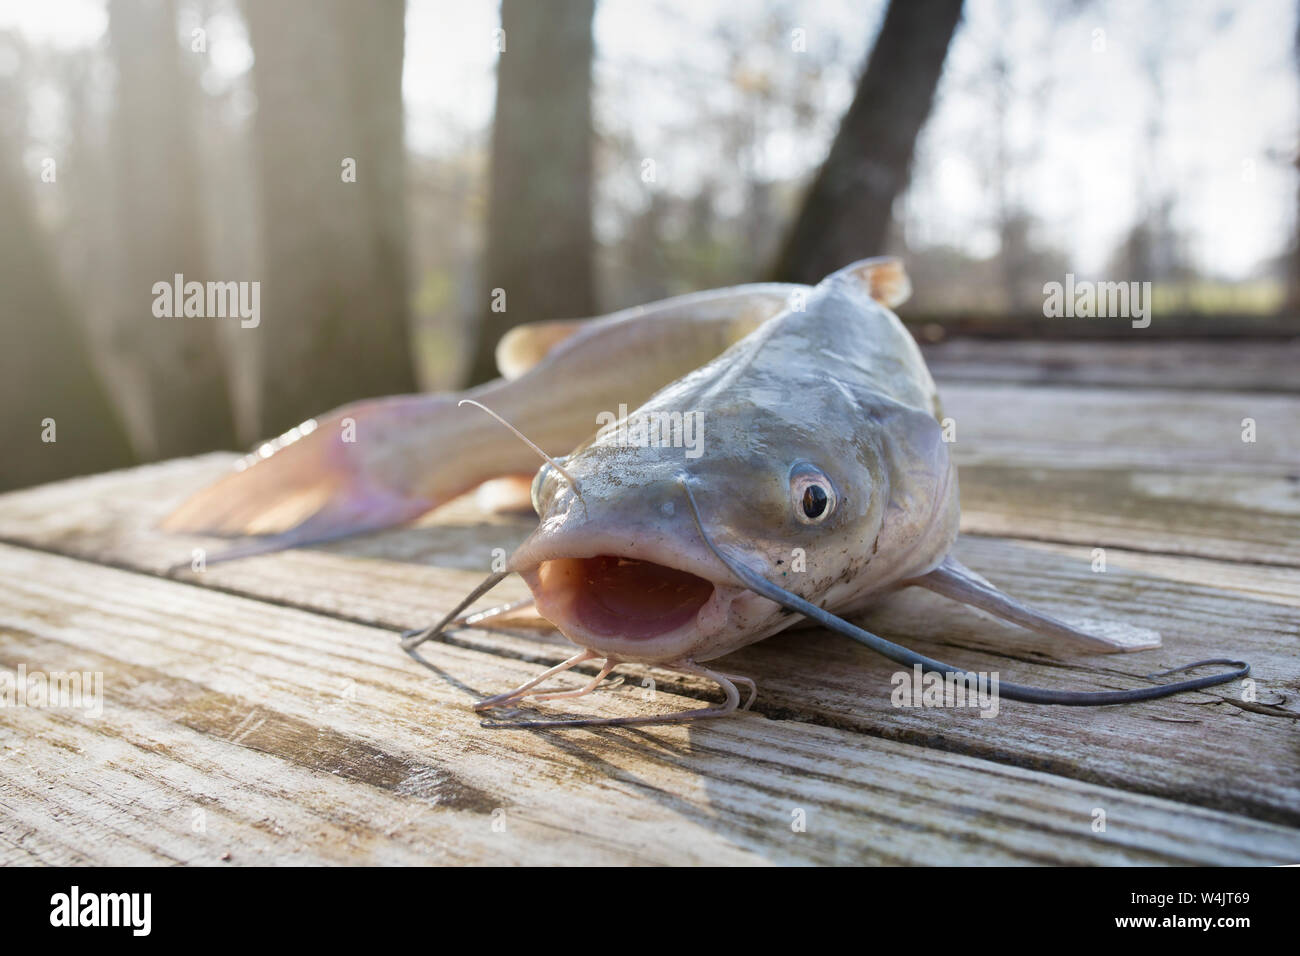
[527,441]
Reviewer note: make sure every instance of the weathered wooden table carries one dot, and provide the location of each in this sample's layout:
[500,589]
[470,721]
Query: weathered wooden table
[261,711]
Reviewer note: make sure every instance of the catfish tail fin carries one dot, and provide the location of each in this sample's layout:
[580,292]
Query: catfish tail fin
[350,471]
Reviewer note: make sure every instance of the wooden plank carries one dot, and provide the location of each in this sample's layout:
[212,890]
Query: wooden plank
[1245,754]
[1147,470]
[1090,428]
[303,738]
[1251,366]
[1241,518]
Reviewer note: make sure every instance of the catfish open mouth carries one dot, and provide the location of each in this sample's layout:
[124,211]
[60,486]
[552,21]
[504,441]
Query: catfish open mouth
[613,596]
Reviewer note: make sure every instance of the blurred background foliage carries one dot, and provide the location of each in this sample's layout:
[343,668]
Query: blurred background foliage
[591,155]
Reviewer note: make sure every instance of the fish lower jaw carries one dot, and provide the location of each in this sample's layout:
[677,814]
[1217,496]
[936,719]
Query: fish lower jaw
[631,609]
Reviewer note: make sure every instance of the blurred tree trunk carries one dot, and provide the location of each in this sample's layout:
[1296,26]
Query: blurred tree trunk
[539,242]
[335,309]
[45,367]
[1293,275]
[174,366]
[847,212]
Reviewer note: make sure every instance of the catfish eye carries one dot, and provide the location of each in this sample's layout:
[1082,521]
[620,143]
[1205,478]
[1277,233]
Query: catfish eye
[539,480]
[814,501]
[811,494]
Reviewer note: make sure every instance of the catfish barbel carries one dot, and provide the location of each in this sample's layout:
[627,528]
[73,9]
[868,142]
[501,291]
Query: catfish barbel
[821,484]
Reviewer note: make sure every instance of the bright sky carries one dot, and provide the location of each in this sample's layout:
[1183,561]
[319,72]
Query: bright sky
[1231,105]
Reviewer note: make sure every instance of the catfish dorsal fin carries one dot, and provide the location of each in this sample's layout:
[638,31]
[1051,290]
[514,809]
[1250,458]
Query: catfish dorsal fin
[883,277]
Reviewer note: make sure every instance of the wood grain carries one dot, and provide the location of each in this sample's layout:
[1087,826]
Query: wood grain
[229,726]
[1247,764]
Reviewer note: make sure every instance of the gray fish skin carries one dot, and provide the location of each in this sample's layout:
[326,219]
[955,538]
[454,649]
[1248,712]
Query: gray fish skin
[841,385]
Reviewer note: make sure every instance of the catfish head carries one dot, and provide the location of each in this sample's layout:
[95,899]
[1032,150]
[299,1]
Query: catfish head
[796,452]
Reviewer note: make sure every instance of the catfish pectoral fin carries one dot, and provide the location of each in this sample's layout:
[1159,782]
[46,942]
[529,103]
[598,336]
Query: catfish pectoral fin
[954,580]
